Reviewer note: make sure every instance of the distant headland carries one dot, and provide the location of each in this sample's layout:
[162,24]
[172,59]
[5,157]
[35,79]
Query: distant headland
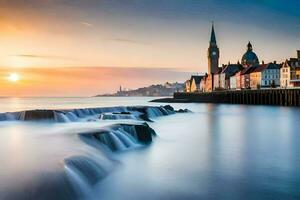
[158,90]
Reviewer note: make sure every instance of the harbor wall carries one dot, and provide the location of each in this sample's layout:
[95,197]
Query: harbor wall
[281,97]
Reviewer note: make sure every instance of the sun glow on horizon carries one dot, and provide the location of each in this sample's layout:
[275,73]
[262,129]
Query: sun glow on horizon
[13,77]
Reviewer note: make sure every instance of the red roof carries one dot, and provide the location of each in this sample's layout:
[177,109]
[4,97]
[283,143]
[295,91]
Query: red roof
[260,68]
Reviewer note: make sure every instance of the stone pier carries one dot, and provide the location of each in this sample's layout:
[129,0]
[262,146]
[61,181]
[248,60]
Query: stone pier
[280,97]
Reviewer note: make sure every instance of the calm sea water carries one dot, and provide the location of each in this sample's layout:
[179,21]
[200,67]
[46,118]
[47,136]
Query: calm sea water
[215,152]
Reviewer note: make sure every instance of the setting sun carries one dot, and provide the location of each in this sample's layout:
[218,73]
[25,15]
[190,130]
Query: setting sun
[13,77]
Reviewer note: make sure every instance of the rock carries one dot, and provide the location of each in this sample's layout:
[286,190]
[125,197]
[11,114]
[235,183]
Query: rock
[183,111]
[163,110]
[31,115]
[144,133]
[121,113]
[144,116]
[168,107]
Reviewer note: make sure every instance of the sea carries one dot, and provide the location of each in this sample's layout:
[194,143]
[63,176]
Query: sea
[214,151]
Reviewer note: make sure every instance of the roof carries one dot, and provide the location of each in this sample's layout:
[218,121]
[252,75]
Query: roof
[213,35]
[248,70]
[250,58]
[232,69]
[293,62]
[197,79]
[274,66]
[260,68]
[220,69]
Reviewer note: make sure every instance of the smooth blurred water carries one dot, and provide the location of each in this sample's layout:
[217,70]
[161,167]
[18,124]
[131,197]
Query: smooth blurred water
[216,152]
[21,104]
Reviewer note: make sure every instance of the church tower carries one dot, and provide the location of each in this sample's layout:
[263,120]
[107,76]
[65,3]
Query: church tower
[213,53]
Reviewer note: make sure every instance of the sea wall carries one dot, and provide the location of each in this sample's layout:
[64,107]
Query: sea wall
[281,97]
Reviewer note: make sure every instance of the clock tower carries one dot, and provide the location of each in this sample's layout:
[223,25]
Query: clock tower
[213,53]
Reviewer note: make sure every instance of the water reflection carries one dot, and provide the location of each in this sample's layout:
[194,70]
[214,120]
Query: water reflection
[216,152]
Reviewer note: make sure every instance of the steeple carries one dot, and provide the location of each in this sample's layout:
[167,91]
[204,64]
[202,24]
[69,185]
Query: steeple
[213,40]
[213,53]
[249,46]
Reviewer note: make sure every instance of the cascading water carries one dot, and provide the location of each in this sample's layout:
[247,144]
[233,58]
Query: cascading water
[83,149]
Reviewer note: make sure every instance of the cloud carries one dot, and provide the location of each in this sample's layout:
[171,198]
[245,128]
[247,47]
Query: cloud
[124,40]
[86,24]
[35,56]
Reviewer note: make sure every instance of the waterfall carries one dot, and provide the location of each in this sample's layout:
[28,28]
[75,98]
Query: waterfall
[112,141]
[120,137]
[116,116]
[8,116]
[125,138]
[71,116]
[80,186]
[145,113]
[83,172]
[154,112]
[61,117]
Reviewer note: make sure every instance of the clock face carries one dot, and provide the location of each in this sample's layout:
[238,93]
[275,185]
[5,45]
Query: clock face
[214,53]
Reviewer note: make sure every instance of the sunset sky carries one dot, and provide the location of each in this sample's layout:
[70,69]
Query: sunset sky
[87,47]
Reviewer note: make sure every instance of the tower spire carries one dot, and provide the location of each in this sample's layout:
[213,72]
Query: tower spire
[249,46]
[213,52]
[213,35]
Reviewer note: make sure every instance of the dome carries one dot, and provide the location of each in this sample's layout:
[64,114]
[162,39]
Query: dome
[250,58]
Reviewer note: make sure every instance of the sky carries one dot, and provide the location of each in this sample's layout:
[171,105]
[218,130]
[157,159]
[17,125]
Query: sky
[87,47]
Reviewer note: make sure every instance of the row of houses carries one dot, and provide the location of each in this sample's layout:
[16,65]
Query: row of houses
[240,76]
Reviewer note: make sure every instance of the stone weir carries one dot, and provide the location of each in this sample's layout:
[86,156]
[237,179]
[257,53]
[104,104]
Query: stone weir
[142,113]
[278,97]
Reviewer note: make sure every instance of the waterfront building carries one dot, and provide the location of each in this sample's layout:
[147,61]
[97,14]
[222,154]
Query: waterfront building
[245,77]
[249,58]
[195,83]
[213,53]
[256,76]
[270,76]
[227,72]
[238,80]
[216,84]
[289,72]
[209,80]
[233,82]
[187,86]
[203,83]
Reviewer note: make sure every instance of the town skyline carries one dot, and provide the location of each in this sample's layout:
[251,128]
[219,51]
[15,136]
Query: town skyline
[98,42]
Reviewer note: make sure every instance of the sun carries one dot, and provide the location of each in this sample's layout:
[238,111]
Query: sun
[13,77]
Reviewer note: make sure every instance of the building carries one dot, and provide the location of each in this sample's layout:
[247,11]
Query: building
[233,82]
[203,83]
[209,80]
[213,53]
[289,72]
[216,85]
[187,85]
[249,58]
[270,76]
[238,80]
[245,77]
[229,71]
[256,76]
[195,83]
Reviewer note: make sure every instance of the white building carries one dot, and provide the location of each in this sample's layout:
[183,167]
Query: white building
[233,82]
[271,75]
